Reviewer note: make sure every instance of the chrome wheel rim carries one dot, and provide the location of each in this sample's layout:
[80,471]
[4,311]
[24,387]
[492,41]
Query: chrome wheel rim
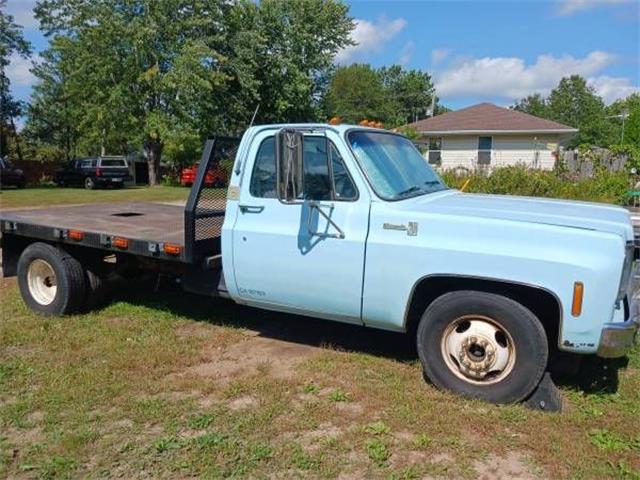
[42,282]
[478,349]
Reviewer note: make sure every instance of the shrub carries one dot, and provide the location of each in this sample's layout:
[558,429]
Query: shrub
[604,186]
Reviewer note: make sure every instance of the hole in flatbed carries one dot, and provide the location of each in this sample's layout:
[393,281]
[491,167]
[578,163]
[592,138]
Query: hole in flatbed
[127,214]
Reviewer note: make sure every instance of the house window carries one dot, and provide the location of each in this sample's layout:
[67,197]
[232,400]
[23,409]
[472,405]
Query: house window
[435,150]
[485,144]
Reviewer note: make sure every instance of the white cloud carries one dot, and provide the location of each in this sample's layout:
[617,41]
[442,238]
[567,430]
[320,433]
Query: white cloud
[22,11]
[511,77]
[569,7]
[406,53]
[370,37]
[612,88]
[19,72]
[438,55]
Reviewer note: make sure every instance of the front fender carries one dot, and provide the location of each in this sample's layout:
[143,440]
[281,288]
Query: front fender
[544,256]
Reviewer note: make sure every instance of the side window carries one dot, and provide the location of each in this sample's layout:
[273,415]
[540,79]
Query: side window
[317,183]
[342,183]
[263,177]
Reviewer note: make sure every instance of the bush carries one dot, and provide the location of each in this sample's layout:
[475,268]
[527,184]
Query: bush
[604,186]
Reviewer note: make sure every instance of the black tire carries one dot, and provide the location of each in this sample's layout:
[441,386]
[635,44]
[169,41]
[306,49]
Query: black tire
[97,290]
[527,337]
[69,280]
[89,183]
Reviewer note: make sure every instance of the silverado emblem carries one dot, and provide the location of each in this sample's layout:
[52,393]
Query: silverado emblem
[411,228]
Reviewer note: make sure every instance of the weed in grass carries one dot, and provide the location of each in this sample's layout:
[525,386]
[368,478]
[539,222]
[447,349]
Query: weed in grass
[623,471]
[200,422]
[304,461]
[377,451]
[423,441]
[610,441]
[210,440]
[58,467]
[261,451]
[163,445]
[409,473]
[338,395]
[377,428]
[311,388]
[513,414]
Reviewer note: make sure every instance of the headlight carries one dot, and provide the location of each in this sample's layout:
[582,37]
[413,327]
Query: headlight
[627,269]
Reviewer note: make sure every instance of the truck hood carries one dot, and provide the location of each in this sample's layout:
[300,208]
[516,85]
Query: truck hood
[584,215]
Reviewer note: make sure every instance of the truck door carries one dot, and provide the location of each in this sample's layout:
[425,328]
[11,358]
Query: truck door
[298,257]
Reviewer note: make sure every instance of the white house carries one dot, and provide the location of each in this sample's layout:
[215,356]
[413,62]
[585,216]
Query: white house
[487,136]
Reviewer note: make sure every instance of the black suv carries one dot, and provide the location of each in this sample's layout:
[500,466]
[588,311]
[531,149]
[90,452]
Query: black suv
[10,175]
[94,172]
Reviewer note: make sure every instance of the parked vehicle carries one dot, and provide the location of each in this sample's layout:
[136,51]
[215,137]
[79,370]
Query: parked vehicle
[351,224]
[94,172]
[11,175]
[214,177]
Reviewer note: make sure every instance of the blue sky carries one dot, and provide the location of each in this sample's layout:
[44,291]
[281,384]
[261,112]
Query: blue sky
[477,50]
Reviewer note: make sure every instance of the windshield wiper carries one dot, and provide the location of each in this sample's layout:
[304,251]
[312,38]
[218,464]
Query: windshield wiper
[409,190]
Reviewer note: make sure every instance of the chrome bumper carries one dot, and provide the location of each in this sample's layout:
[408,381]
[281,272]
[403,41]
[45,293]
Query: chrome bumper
[617,338]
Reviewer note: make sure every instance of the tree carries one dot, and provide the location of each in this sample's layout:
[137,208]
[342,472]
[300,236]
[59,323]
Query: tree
[410,92]
[576,104]
[355,93]
[534,104]
[52,128]
[629,108]
[11,42]
[149,72]
[391,95]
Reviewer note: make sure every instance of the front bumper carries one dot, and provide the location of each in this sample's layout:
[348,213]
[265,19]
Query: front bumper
[618,338]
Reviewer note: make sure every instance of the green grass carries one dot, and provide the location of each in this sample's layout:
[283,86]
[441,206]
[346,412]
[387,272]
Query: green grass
[113,393]
[42,197]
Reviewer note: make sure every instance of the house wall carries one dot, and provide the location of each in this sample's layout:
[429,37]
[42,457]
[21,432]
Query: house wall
[462,151]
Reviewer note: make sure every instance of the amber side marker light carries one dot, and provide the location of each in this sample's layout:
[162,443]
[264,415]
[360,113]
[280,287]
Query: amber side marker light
[121,243]
[578,293]
[76,235]
[171,249]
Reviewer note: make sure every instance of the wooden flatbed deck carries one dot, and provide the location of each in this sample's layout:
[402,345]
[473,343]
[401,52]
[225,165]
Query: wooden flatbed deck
[141,221]
[149,227]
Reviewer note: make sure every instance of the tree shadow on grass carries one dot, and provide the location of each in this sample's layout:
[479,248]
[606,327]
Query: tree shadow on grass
[281,326]
[594,375]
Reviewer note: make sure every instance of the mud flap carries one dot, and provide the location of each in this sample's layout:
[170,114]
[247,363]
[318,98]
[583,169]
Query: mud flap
[546,396]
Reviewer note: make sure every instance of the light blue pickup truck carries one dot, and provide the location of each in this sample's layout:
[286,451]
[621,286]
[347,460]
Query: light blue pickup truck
[351,224]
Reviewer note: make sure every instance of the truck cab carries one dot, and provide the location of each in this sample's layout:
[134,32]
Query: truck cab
[352,224]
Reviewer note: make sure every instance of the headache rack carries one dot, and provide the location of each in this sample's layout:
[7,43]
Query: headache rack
[204,212]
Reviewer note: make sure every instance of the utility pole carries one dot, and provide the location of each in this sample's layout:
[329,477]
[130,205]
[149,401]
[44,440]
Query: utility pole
[623,116]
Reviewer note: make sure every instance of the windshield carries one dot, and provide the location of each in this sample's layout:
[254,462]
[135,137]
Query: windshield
[393,165]
[112,162]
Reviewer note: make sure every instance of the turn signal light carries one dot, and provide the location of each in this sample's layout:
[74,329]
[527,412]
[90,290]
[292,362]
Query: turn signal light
[76,235]
[578,293]
[171,249]
[121,243]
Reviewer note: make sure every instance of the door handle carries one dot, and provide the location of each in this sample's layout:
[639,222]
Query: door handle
[251,208]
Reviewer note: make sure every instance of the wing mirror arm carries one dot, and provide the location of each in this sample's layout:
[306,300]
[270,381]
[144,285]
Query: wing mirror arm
[315,205]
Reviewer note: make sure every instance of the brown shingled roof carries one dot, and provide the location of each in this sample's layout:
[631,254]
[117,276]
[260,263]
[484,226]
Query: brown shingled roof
[486,117]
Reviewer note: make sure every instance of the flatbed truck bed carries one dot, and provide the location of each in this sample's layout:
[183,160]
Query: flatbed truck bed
[146,227]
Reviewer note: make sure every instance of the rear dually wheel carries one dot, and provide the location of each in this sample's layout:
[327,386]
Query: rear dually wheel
[51,281]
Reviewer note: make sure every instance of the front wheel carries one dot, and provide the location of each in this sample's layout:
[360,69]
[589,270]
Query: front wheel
[482,345]
[89,184]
